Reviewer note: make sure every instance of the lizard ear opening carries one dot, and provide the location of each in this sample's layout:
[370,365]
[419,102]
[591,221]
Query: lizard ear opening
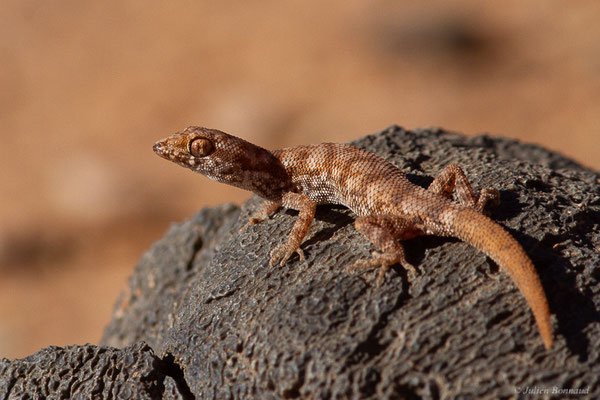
[201,147]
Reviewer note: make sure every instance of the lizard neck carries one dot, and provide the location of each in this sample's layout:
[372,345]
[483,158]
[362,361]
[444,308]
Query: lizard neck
[257,170]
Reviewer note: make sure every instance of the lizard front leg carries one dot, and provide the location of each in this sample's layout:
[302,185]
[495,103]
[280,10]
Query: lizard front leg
[306,208]
[452,178]
[266,208]
[384,231]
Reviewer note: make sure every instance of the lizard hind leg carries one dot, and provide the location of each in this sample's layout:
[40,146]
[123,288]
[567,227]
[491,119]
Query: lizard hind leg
[384,231]
[453,179]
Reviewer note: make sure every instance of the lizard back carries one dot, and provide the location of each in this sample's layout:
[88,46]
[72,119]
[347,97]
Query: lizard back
[336,173]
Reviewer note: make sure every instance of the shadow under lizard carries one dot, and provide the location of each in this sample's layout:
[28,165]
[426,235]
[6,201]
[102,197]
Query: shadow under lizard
[388,206]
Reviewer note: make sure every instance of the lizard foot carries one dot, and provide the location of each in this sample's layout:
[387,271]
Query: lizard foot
[282,253]
[488,200]
[384,263]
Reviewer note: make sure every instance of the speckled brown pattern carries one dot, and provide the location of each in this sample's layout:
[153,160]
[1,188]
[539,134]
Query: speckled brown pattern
[388,206]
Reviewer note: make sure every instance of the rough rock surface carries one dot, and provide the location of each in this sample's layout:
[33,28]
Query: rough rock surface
[224,324]
[91,372]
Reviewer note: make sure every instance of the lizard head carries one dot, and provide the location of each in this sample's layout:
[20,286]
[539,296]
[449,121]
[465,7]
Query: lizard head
[226,158]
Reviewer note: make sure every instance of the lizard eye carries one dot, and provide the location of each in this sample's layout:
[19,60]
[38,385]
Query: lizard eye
[201,147]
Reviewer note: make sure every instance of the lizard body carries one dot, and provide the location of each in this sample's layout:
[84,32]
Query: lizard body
[388,206]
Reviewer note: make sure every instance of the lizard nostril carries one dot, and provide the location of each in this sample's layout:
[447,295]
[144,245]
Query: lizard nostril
[161,150]
[158,148]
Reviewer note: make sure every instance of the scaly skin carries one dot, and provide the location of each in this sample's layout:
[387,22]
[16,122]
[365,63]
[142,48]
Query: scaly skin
[388,206]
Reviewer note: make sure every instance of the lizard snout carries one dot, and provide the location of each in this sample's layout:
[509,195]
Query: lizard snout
[161,149]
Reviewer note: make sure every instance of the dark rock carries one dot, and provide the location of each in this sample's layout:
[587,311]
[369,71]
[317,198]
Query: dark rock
[229,326]
[91,372]
[145,311]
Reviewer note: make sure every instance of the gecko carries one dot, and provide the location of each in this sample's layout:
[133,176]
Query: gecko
[388,206]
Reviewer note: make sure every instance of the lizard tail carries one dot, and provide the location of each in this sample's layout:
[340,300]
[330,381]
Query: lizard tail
[481,232]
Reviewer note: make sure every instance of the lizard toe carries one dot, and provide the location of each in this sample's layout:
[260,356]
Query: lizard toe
[361,265]
[282,254]
[489,199]
[251,221]
[410,269]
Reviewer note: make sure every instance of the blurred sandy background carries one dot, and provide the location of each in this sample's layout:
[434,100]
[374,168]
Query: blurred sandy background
[87,87]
